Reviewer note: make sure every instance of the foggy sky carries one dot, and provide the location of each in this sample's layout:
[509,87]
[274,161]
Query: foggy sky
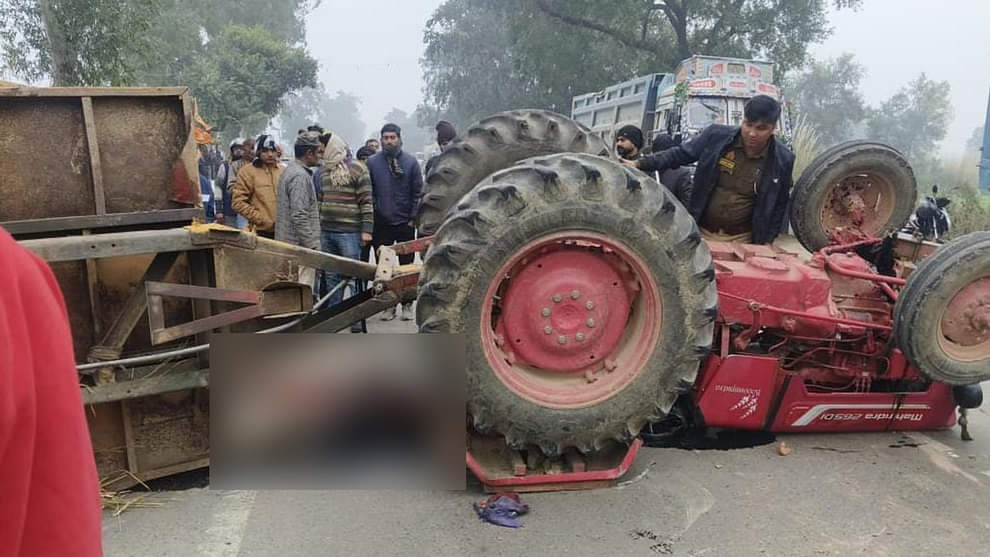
[372,49]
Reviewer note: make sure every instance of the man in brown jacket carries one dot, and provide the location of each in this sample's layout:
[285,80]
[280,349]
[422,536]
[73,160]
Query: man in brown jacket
[254,190]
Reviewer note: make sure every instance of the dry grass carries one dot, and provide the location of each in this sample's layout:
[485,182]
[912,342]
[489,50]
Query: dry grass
[805,144]
[120,501]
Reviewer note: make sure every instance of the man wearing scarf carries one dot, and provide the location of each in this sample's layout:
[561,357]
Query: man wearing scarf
[396,182]
[346,210]
[254,190]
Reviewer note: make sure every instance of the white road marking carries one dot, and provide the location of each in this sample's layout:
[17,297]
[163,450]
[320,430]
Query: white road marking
[938,453]
[226,530]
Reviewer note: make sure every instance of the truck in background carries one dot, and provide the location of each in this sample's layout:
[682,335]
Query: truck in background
[703,90]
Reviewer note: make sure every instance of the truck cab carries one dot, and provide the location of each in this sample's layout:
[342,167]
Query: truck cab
[703,90]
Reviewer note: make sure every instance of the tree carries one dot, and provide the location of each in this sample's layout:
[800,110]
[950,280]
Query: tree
[244,75]
[975,141]
[827,95]
[339,114]
[914,120]
[484,56]
[778,29]
[75,42]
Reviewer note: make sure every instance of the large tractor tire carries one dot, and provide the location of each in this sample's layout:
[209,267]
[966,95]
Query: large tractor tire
[586,297]
[492,144]
[942,316]
[855,186]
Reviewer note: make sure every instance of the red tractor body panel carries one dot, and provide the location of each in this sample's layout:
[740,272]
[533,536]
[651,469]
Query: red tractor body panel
[753,393]
[806,347]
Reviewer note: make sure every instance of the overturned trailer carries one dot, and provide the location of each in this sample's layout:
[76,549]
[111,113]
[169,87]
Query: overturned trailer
[114,208]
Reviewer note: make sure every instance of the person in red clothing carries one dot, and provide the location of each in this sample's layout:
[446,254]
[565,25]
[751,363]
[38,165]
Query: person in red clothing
[49,492]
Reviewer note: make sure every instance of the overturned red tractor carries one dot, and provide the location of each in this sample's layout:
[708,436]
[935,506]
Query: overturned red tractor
[592,306]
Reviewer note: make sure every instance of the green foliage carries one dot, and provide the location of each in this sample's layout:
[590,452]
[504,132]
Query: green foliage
[914,121]
[74,42]
[484,56]
[827,95]
[244,74]
[975,141]
[339,114]
[239,58]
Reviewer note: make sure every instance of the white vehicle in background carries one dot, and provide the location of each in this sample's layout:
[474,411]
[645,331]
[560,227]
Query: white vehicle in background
[703,90]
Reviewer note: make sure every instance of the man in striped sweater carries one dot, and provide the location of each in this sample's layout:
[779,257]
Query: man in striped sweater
[346,211]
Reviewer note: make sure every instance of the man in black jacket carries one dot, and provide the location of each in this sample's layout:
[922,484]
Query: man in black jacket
[743,176]
[679,179]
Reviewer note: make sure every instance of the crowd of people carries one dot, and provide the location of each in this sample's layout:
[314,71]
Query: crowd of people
[326,198]
[348,204]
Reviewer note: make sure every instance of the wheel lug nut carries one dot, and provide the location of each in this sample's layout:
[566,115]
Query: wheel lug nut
[557,298]
[590,305]
[590,323]
[499,340]
[579,337]
[545,312]
[547,330]
[510,357]
[610,365]
[575,294]
[561,339]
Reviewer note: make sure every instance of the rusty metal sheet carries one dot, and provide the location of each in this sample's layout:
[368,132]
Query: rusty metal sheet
[140,139]
[43,176]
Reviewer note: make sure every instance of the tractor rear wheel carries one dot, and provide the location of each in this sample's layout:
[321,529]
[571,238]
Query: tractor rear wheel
[858,186]
[492,144]
[942,317]
[586,297]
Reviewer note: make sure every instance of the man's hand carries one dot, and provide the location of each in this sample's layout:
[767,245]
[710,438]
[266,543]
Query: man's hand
[365,238]
[634,164]
[220,218]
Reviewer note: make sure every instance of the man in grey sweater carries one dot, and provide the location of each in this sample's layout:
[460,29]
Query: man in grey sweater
[298,216]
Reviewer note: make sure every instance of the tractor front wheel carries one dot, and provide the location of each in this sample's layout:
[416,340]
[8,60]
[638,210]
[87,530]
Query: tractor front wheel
[586,297]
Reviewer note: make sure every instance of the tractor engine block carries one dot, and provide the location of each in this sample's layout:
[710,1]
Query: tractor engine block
[772,302]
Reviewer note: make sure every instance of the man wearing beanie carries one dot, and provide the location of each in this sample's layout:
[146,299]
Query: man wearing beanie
[254,190]
[298,220]
[396,182]
[743,178]
[445,134]
[628,142]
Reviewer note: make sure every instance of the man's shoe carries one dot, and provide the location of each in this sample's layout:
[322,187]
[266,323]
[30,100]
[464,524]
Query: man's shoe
[407,313]
[388,314]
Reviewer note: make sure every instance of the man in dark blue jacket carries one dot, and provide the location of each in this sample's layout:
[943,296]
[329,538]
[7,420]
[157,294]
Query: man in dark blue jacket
[396,183]
[743,178]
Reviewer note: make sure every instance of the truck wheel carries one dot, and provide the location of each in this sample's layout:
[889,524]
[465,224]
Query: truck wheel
[942,317]
[492,144]
[586,297]
[857,185]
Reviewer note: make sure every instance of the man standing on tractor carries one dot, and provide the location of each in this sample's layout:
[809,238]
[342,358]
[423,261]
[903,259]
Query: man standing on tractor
[743,178]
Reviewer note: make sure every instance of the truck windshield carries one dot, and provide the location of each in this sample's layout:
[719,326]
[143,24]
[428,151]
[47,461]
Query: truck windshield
[701,112]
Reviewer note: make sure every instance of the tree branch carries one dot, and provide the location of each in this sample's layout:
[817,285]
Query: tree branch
[616,34]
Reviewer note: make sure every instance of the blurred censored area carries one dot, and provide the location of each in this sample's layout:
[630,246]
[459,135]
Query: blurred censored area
[337,411]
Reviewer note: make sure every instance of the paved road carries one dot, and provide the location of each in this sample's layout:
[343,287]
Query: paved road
[856,494]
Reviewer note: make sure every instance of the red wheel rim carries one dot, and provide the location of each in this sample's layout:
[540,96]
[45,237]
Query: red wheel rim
[964,330]
[861,201]
[570,319]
